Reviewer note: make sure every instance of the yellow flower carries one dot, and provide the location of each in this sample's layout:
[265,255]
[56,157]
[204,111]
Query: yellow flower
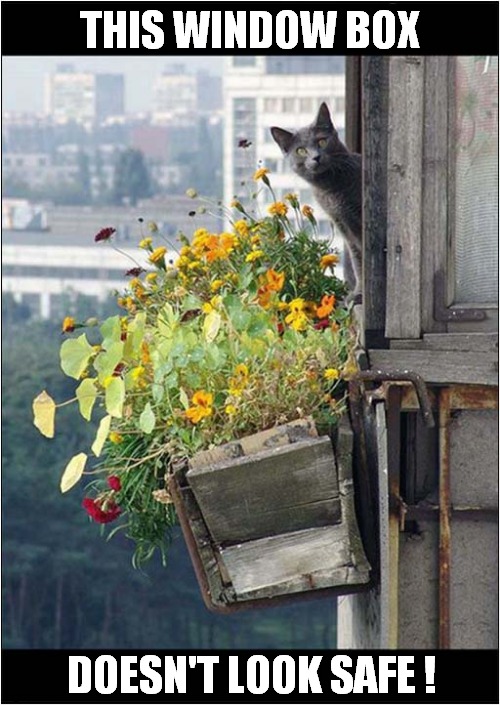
[151,277]
[157,256]
[185,251]
[241,370]
[252,256]
[278,208]
[231,410]
[297,318]
[331,374]
[236,204]
[241,227]
[308,212]
[216,284]
[297,321]
[261,174]
[328,261]
[152,227]
[201,406]
[68,325]
[115,437]
[297,305]
[146,243]
[240,380]
[293,199]
[137,372]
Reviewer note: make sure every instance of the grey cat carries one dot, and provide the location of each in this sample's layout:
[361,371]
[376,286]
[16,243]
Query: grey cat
[317,155]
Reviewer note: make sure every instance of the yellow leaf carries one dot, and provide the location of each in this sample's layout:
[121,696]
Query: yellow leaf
[73,471]
[101,435]
[211,326]
[44,411]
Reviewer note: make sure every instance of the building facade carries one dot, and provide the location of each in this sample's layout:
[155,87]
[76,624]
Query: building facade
[83,96]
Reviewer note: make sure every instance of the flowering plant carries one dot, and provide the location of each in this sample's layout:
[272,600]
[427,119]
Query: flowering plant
[240,332]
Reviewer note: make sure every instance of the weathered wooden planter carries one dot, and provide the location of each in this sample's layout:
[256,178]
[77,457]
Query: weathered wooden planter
[271,517]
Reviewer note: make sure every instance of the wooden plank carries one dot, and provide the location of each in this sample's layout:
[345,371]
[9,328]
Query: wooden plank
[440,366]
[466,342]
[375,77]
[404,196]
[274,491]
[435,184]
[300,429]
[294,562]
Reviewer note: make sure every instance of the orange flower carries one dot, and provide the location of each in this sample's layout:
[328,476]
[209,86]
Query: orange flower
[308,212]
[275,280]
[201,408]
[264,294]
[328,261]
[326,306]
[278,208]
[261,174]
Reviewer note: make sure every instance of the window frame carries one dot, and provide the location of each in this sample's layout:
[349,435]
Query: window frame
[406,227]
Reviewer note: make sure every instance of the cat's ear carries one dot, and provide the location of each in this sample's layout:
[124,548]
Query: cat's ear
[323,118]
[283,138]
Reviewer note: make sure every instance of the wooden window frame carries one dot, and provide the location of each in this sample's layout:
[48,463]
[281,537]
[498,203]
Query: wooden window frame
[407,237]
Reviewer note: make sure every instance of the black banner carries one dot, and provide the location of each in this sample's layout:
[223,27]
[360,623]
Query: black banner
[30,676]
[60,28]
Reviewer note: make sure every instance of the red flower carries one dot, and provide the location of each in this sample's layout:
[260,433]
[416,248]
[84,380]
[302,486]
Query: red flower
[101,516]
[104,234]
[114,483]
[134,272]
[321,325]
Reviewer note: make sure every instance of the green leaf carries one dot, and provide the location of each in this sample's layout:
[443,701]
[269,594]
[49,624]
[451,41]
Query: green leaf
[86,393]
[111,331]
[115,397]
[183,398]
[101,435]
[106,362]
[147,419]
[137,327]
[73,471]
[75,356]
[44,412]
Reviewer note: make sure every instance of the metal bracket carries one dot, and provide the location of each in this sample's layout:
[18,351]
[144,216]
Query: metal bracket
[396,376]
[443,313]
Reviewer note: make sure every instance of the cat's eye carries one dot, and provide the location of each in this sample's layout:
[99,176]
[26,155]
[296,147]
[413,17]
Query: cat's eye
[301,151]
[322,143]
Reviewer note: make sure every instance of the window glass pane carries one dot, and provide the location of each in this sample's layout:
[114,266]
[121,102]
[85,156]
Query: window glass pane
[476,179]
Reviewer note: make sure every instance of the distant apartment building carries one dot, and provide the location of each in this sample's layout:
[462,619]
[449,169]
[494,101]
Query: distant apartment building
[286,91]
[83,96]
[49,255]
[177,93]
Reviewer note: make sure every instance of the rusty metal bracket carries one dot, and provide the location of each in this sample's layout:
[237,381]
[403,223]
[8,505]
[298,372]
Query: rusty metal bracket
[396,376]
[445,314]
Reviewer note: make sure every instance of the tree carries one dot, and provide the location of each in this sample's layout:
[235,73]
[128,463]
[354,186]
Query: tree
[131,178]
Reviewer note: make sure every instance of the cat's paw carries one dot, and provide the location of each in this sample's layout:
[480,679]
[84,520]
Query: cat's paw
[355,298]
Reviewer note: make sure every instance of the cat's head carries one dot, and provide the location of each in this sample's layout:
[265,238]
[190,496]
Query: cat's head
[311,149]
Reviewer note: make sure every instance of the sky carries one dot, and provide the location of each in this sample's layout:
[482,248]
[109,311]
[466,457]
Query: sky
[23,76]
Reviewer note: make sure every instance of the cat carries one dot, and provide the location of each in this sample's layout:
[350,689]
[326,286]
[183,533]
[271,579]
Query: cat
[317,155]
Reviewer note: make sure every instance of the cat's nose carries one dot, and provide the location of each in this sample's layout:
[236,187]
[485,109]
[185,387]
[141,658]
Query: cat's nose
[316,158]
